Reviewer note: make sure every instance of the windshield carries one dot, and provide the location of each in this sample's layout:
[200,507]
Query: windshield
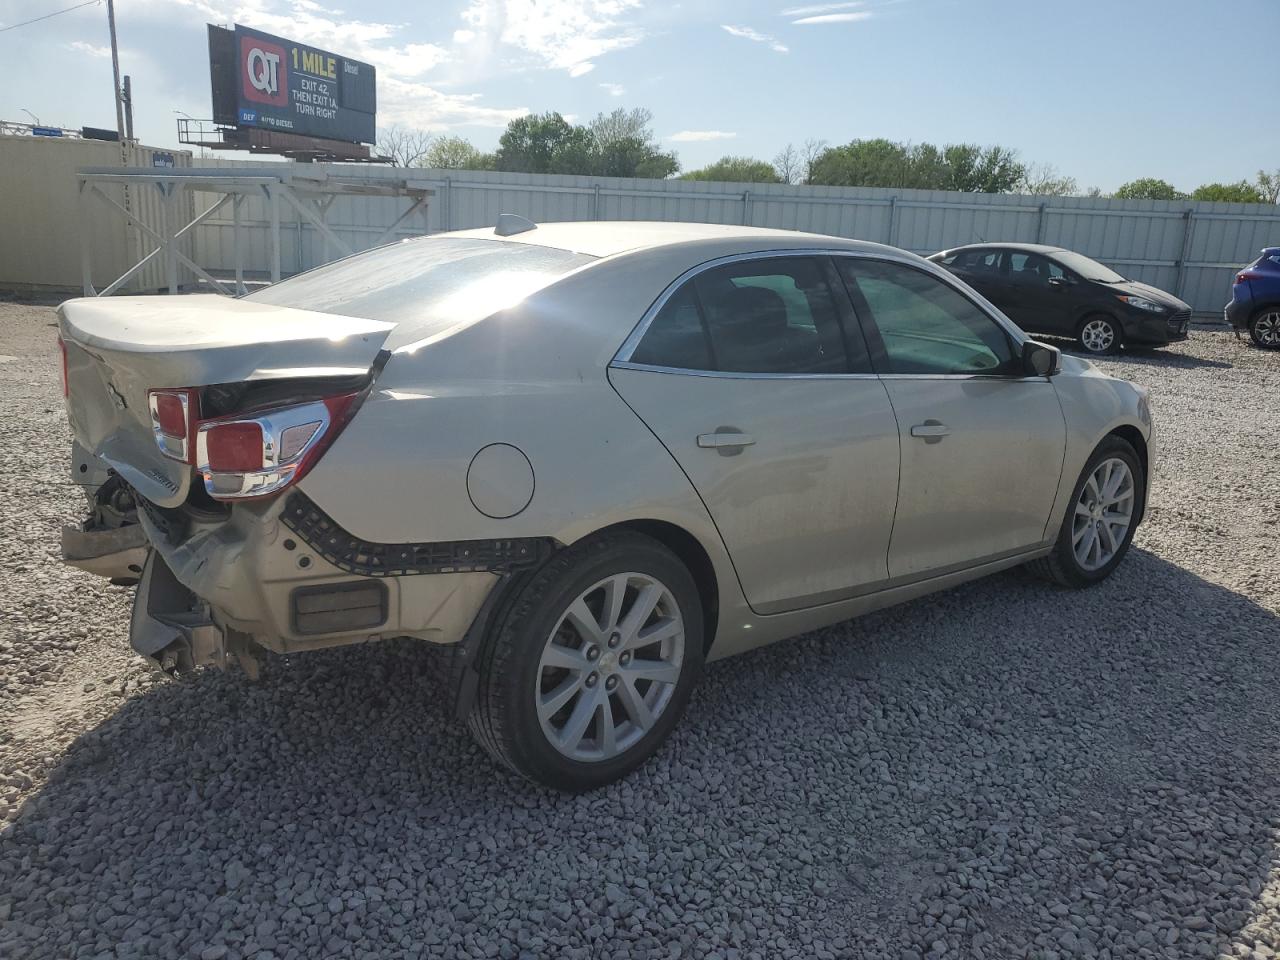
[1086,267]
[425,284]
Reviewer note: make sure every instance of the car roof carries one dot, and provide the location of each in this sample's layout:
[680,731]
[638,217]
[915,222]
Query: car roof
[604,238]
[1023,247]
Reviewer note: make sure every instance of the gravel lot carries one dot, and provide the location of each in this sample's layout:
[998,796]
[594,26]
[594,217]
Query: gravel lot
[1005,770]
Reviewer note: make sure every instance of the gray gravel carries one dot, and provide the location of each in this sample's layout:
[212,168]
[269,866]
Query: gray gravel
[1005,770]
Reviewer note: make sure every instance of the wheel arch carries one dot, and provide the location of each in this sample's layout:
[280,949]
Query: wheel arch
[690,551]
[1133,436]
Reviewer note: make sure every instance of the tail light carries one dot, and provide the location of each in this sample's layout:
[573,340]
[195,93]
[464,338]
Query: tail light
[174,414]
[250,454]
[260,454]
[62,349]
[1243,275]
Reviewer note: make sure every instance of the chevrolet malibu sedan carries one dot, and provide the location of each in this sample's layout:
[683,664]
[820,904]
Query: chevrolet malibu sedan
[1051,290]
[587,457]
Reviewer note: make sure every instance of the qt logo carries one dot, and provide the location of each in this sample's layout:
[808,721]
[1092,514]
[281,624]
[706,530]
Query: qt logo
[265,77]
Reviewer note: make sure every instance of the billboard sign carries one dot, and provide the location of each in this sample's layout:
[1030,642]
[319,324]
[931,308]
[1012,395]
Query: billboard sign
[282,85]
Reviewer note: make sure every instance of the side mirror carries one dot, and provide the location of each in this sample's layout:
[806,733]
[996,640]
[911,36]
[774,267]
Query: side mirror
[1040,359]
[1059,282]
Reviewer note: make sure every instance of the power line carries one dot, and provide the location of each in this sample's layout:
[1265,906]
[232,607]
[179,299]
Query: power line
[15,26]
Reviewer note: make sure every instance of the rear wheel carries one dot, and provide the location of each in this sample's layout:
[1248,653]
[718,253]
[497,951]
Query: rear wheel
[1264,328]
[1101,519]
[1099,334]
[589,667]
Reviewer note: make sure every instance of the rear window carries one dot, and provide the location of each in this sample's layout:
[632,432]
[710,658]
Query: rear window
[426,284]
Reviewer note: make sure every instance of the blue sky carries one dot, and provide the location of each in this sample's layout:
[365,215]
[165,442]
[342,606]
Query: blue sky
[1104,90]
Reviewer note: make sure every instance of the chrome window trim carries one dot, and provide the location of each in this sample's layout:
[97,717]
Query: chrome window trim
[622,359]
[737,375]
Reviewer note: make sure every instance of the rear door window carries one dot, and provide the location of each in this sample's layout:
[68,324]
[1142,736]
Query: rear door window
[773,315]
[1032,268]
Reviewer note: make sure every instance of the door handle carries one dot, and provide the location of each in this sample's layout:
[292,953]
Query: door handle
[931,431]
[721,441]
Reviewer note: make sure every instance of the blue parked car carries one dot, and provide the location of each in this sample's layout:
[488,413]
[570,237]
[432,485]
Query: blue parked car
[1255,300]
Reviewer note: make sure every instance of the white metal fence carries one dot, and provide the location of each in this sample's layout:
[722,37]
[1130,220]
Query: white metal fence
[1190,249]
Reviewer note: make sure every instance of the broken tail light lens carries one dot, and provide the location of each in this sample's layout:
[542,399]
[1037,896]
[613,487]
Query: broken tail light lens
[263,453]
[173,421]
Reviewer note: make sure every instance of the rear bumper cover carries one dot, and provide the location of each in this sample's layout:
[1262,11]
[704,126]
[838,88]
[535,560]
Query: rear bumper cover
[1237,313]
[250,575]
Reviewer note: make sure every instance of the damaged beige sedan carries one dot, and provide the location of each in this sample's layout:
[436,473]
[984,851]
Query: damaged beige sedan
[587,457]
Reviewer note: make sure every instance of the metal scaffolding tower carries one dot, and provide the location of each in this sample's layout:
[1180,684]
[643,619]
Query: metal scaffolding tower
[309,194]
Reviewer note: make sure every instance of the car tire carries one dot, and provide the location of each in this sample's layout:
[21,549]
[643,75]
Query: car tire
[1066,565]
[1264,328]
[538,709]
[1099,334]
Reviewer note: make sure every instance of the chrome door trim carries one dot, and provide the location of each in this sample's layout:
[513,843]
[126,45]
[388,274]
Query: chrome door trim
[622,359]
[732,375]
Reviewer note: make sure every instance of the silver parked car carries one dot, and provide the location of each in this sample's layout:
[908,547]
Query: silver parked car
[587,456]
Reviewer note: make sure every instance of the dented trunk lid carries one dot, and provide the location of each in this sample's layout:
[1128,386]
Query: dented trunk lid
[119,348]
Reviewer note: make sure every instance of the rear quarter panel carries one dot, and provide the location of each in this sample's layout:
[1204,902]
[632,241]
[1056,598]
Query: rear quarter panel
[534,377]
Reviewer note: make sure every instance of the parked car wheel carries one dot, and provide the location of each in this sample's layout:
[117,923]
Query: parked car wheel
[1101,520]
[589,666]
[1099,334]
[1264,328]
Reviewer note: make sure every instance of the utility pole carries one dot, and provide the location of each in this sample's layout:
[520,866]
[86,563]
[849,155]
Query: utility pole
[115,70]
[128,107]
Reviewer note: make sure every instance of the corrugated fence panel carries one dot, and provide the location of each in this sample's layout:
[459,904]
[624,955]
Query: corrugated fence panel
[1153,241]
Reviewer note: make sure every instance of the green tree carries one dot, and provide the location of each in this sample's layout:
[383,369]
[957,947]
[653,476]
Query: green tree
[623,145]
[736,170]
[1269,186]
[456,153]
[884,163]
[863,163]
[1149,188]
[539,143]
[1242,192]
[617,144]
[975,169]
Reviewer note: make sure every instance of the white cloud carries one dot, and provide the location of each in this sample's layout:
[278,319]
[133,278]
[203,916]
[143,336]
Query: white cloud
[834,18]
[403,96]
[561,34]
[613,89]
[90,49]
[700,136]
[422,107]
[747,33]
[821,8]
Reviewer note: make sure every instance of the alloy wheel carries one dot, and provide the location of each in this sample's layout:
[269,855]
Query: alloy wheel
[1103,514]
[1266,329]
[609,668]
[1098,336]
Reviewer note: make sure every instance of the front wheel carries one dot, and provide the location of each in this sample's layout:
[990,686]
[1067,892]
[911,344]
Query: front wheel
[1265,328]
[1101,518]
[1099,335]
[589,666]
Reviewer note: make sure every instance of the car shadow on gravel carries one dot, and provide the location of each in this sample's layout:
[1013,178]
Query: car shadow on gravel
[1005,769]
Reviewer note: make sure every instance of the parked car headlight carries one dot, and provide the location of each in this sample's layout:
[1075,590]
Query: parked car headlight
[1141,303]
